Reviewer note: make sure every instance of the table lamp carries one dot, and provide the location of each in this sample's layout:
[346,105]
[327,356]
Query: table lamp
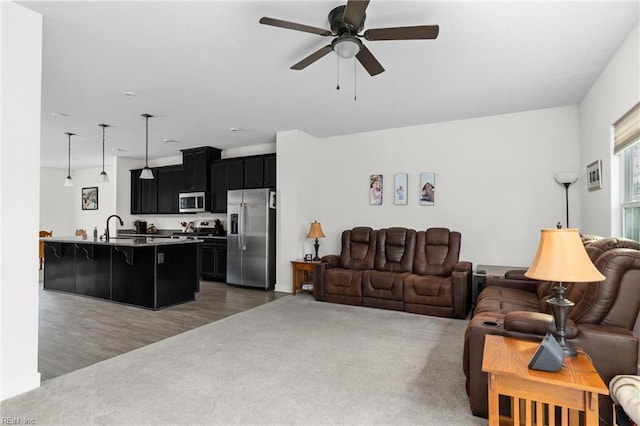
[316,232]
[561,258]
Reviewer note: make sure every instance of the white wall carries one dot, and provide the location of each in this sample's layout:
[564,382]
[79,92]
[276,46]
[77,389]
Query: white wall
[615,91]
[55,202]
[494,183]
[21,42]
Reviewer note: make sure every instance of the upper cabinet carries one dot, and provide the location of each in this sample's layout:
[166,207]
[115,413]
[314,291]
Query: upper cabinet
[144,193]
[202,170]
[197,167]
[258,171]
[170,183]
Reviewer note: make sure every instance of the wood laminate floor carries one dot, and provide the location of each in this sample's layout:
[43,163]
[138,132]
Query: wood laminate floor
[77,331]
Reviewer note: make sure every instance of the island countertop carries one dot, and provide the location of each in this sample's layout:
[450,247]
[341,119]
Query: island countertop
[132,242]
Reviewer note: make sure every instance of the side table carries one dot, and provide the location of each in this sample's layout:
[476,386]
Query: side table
[538,393]
[302,272]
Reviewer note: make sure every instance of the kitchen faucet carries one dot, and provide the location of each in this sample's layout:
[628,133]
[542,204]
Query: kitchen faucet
[106,230]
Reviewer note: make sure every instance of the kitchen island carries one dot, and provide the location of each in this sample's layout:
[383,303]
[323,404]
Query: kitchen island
[148,272]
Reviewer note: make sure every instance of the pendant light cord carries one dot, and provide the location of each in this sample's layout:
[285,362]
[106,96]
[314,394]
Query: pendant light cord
[69,157]
[103,127]
[146,151]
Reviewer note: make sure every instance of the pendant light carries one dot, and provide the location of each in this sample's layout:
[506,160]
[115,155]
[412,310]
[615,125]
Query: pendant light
[68,181]
[102,177]
[146,172]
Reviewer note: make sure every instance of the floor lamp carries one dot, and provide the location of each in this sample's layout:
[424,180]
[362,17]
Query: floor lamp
[566,179]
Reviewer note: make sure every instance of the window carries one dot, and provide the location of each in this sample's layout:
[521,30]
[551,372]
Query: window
[631,191]
[627,144]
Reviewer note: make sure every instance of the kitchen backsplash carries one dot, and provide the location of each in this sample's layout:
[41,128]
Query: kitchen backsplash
[173,222]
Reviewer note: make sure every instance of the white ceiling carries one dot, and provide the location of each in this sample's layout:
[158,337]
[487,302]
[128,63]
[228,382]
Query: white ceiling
[204,67]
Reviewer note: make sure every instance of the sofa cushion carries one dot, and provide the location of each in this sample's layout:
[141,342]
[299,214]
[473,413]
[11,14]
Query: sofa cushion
[383,285]
[437,252]
[344,282]
[358,248]
[428,290]
[395,250]
[501,300]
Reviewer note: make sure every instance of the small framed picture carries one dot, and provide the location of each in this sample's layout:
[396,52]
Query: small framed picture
[400,189]
[375,190]
[308,257]
[427,189]
[90,198]
[594,175]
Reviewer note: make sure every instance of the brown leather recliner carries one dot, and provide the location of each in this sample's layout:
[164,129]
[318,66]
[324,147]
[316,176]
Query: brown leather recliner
[342,278]
[601,321]
[439,284]
[382,286]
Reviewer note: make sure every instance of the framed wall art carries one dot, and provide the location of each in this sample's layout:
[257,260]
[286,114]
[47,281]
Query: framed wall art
[90,198]
[594,175]
[427,189]
[400,188]
[375,190]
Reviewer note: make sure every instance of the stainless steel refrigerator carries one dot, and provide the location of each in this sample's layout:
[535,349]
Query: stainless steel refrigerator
[251,247]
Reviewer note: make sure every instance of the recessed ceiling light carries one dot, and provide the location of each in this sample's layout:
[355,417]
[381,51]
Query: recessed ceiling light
[59,115]
[128,94]
[233,129]
[171,141]
[117,150]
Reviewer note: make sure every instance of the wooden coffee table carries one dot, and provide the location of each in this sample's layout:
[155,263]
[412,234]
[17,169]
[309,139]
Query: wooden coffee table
[537,393]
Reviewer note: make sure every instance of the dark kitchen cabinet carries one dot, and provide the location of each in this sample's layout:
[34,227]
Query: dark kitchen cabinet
[213,259]
[225,175]
[197,166]
[269,171]
[170,183]
[253,172]
[218,187]
[144,193]
[258,171]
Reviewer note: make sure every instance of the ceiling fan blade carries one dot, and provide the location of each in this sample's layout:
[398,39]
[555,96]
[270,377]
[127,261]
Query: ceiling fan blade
[312,58]
[354,12]
[422,32]
[294,26]
[369,62]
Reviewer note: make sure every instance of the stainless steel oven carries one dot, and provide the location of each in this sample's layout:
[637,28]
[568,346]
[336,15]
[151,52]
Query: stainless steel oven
[192,202]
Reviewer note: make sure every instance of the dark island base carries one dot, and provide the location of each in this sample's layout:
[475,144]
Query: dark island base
[149,276]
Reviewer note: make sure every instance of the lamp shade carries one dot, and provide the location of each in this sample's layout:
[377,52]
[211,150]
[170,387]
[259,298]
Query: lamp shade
[315,231]
[566,177]
[561,257]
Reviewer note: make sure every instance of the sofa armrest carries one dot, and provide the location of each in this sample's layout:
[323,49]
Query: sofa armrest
[461,278]
[326,262]
[330,260]
[518,284]
[536,324]
[517,274]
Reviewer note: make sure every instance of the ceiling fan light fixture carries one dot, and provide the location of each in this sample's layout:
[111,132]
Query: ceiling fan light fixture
[346,46]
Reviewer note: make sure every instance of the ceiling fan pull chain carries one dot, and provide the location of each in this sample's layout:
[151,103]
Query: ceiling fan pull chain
[338,72]
[355,87]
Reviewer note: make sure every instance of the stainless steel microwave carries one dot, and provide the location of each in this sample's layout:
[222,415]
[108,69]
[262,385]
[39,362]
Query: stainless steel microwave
[192,202]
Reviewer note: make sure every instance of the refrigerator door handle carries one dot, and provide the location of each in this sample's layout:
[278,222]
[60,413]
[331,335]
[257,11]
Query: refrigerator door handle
[242,238]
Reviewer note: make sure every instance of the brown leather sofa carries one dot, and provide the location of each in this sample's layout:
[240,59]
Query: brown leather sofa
[398,268]
[601,322]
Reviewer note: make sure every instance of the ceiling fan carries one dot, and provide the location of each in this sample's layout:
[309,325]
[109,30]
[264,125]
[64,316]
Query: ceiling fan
[346,22]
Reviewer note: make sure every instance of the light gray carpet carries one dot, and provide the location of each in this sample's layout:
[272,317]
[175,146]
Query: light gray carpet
[291,361]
